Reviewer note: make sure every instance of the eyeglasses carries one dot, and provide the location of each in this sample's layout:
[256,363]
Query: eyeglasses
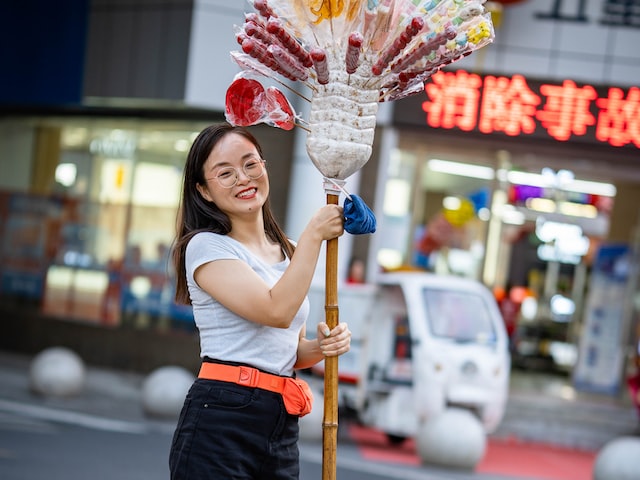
[227,177]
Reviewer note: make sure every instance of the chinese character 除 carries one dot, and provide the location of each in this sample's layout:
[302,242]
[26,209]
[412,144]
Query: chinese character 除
[508,105]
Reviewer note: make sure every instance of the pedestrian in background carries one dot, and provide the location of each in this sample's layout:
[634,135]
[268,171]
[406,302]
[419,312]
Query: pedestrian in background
[248,285]
[356,271]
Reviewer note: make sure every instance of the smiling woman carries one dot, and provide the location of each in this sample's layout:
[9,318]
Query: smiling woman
[252,324]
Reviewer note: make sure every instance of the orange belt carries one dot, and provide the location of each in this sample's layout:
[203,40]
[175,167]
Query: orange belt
[250,377]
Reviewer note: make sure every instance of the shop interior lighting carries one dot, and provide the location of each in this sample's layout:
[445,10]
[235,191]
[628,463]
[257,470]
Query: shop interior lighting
[451,203]
[577,210]
[562,306]
[66,174]
[529,308]
[593,188]
[546,205]
[510,215]
[562,179]
[140,286]
[564,242]
[578,186]
[550,231]
[182,145]
[156,185]
[396,198]
[529,179]
[461,169]
[74,137]
[484,214]
[389,258]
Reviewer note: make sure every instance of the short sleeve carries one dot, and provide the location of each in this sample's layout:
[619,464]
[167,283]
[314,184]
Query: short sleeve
[207,247]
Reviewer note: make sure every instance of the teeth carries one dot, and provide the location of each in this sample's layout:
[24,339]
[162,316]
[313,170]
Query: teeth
[247,193]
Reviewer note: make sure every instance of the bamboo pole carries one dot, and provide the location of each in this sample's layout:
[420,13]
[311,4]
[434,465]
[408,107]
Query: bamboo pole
[330,419]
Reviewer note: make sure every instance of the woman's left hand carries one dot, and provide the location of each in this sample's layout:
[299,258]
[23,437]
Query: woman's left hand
[334,342]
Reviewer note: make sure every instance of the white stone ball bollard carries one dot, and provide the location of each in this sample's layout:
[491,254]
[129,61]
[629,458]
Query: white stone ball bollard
[454,439]
[58,372]
[619,459]
[311,424]
[164,391]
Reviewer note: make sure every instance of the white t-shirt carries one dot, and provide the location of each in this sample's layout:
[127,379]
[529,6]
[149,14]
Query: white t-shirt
[227,336]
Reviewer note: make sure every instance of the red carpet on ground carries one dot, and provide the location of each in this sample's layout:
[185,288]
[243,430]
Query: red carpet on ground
[509,457]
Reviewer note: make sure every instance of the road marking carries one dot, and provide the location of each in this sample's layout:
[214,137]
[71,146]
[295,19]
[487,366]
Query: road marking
[73,418]
[391,472]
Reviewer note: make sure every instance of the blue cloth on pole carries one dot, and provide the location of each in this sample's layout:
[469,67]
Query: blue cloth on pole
[358,217]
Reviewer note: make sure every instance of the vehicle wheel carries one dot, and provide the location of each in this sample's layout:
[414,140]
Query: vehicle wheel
[395,439]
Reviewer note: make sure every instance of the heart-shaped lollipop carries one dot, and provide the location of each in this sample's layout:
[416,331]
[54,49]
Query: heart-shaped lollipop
[243,102]
[248,103]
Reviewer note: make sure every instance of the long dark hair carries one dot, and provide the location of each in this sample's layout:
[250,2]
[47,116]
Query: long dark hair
[199,215]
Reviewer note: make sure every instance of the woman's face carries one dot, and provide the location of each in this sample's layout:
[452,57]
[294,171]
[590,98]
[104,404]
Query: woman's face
[235,176]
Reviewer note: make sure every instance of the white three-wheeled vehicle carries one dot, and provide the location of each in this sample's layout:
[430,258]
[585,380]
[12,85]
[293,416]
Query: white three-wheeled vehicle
[421,343]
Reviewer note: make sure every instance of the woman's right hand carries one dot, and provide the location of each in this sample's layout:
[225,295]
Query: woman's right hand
[328,222]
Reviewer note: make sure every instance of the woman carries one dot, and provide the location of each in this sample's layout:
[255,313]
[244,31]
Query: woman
[248,289]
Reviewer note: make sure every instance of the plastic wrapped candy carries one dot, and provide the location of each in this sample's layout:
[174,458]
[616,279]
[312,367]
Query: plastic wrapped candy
[351,54]
[242,105]
[248,103]
[280,111]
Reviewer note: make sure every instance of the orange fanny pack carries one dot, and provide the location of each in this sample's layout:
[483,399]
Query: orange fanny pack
[295,392]
[297,396]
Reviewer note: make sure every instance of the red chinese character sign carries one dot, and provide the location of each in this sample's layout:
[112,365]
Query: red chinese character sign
[516,106]
[351,55]
[566,111]
[619,118]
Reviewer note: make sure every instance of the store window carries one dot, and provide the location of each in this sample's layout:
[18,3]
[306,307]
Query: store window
[87,232]
[394,242]
[526,225]
[435,209]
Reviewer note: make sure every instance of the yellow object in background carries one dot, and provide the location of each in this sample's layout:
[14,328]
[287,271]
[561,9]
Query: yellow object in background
[461,215]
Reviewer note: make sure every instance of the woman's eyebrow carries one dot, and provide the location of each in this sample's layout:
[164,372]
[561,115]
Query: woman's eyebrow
[222,163]
[247,156]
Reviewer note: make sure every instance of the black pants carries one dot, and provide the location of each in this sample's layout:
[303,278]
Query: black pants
[228,431]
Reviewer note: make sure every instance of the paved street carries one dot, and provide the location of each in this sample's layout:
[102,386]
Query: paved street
[34,449]
[550,432]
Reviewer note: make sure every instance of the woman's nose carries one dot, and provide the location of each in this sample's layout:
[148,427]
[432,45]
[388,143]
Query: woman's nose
[242,176]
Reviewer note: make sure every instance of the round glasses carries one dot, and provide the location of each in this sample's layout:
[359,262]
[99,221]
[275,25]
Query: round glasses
[227,177]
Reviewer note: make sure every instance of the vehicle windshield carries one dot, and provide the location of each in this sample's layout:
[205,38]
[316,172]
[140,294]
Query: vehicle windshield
[463,317]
